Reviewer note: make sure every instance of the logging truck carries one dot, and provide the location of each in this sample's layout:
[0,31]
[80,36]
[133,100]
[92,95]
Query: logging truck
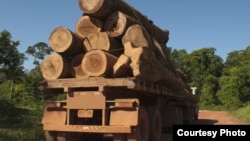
[117,78]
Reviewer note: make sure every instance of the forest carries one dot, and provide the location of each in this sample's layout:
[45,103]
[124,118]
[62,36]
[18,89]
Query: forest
[222,84]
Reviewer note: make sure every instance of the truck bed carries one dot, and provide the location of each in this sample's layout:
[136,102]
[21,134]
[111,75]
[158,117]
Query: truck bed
[99,83]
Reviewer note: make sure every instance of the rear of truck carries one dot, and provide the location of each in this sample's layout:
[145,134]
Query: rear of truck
[126,109]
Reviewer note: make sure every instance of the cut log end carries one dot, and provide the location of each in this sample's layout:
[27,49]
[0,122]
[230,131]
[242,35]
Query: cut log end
[115,24]
[90,6]
[87,25]
[76,70]
[54,67]
[121,68]
[98,63]
[60,39]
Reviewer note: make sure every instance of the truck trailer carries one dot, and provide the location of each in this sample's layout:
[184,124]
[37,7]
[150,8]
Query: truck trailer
[126,108]
[116,77]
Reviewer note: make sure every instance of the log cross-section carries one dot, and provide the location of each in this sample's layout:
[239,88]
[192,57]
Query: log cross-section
[64,41]
[55,66]
[103,8]
[98,63]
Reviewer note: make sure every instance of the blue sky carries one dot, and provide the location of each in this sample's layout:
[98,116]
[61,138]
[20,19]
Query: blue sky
[193,24]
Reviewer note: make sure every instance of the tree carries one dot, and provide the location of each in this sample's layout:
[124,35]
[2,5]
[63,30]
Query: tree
[38,51]
[178,58]
[235,83]
[11,60]
[203,68]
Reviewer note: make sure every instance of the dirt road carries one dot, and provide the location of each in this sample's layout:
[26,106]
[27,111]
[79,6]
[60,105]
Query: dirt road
[216,118]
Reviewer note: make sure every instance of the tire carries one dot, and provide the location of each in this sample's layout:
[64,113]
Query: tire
[179,115]
[155,123]
[195,117]
[60,136]
[141,131]
[50,136]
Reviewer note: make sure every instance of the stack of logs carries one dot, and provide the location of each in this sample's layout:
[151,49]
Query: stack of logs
[112,39]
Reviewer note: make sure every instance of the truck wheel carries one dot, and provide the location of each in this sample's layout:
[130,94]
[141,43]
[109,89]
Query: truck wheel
[50,136]
[141,131]
[60,136]
[155,123]
[179,115]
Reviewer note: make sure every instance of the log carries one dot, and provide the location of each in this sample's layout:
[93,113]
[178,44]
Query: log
[55,66]
[87,25]
[103,8]
[163,54]
[76,65]
[121,68]
[97,8]
[64,41]
[98,63]
[144,65]
[181,74]
[137,36]
[117,23]
[102,41]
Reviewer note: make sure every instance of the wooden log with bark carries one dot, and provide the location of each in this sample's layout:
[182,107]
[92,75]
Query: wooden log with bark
[55,66]
[122,67]
[137,36]
[102,41]
[145,64]
[117,23]
[98,63]
[76,66]
[87,25]
[103,8]
[64,41]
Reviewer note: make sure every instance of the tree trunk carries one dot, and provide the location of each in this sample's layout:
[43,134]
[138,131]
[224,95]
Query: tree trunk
[163,54]
[137,36]
[103,8]
[55,66]
[117,23]
[87,25]
[66,42]
[98,63]
[145,64]
[97,8]
[102,41]
[121,68]
[76,64]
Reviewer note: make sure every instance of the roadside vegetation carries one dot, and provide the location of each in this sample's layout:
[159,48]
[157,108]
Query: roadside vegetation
[243,113]
[222,85]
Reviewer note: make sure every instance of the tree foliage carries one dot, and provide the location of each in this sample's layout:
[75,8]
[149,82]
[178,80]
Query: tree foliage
[11,60]
[38,51]
[235,82]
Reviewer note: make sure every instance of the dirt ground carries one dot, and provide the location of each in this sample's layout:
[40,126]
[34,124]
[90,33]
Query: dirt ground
[216,118]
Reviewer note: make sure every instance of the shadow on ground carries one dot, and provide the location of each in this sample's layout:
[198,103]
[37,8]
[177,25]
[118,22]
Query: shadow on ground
[205,121]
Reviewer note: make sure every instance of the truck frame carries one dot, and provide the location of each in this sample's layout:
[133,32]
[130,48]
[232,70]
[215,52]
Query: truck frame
[126,109]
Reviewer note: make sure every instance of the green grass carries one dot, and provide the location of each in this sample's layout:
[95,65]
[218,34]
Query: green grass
[20,123]
[243,113]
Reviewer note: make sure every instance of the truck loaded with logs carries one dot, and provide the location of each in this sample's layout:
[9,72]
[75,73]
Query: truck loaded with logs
[116,73]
